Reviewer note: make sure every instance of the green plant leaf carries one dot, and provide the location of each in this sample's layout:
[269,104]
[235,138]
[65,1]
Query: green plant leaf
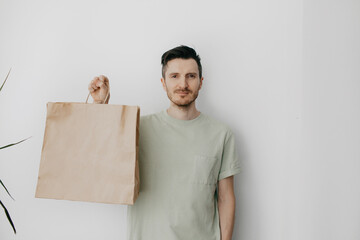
[12,144]
[5,79]
[8,216]
[6,189]
[6,211]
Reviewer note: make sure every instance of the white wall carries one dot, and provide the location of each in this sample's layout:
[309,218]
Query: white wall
[329,182]
[283,74]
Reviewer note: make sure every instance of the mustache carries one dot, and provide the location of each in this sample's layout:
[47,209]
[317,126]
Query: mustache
[183,90]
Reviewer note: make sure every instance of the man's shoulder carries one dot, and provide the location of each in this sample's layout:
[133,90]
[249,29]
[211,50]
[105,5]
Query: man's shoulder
[215,123]
[149,117]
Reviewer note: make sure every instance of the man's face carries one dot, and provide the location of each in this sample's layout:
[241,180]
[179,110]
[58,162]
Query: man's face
[182,82]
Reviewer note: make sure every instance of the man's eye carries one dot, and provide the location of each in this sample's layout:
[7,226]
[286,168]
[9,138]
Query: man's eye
[192,76]
[173,76]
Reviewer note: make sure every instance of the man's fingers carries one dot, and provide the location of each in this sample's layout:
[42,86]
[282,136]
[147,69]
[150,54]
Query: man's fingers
[102,81]
[90,87]
[103,78]
[98,82]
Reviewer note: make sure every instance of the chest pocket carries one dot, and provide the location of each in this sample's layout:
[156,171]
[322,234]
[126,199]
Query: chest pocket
[205,169]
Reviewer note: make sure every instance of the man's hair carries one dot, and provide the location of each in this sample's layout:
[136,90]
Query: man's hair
[183,52]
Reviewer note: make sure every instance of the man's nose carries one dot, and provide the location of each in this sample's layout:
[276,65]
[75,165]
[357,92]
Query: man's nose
[183,82]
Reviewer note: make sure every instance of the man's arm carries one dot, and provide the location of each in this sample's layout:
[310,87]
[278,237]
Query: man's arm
[226,204]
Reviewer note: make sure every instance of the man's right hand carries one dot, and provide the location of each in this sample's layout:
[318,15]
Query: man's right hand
[99,87]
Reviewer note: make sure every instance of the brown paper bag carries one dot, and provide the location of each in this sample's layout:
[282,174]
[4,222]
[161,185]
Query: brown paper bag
[90,153]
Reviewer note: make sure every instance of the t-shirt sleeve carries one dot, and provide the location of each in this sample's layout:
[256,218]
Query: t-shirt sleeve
[230,162]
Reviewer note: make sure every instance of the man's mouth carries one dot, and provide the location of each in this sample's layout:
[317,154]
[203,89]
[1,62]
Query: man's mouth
[182,93]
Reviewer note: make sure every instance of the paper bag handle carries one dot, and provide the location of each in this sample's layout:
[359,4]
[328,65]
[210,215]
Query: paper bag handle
[104,100]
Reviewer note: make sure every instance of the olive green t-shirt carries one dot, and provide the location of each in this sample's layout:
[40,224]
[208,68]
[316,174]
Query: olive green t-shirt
[180,163]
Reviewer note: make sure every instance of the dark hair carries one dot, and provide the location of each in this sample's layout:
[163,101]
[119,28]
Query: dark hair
[183,52]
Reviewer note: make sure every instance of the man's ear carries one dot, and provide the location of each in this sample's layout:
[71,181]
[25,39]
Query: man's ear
[163,83]
[201,80]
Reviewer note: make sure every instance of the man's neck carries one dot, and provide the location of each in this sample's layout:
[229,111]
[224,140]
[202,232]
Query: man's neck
[183,113]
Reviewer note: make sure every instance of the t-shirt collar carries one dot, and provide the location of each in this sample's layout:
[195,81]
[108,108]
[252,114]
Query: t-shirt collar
[171,119]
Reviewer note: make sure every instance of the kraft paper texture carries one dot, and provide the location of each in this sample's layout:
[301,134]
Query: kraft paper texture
[90,153]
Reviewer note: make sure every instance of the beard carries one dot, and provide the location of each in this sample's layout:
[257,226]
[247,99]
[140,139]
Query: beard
[182,101]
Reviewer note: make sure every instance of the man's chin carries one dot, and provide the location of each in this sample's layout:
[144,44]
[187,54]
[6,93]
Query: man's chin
[180,102]
[183,103]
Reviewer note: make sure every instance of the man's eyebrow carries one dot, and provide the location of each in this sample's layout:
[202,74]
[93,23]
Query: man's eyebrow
[195,73]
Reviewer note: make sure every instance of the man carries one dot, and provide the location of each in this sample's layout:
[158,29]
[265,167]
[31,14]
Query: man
[186,160]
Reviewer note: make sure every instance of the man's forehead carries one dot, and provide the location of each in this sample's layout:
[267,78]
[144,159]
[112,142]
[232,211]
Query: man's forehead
[182,65]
